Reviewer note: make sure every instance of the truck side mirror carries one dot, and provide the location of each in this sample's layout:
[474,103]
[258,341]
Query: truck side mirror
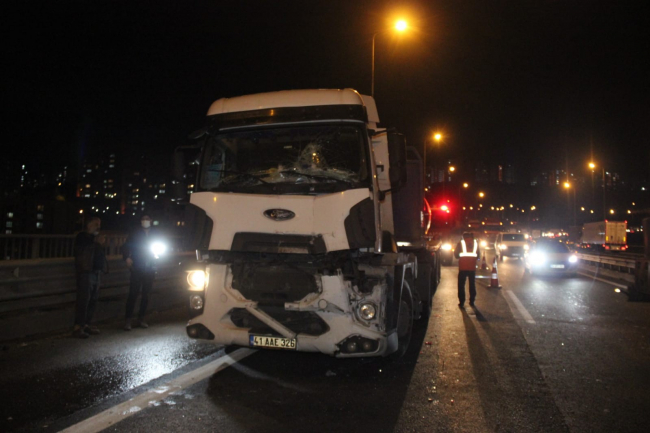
[396,159]
[184,163]
[179,185]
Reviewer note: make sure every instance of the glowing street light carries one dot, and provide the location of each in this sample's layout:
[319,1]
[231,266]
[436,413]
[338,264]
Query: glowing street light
[452,169]
[400,26]
[437,137]
[481,194]
[466,185]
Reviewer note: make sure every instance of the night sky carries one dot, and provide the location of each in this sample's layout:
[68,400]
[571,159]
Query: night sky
[528,82]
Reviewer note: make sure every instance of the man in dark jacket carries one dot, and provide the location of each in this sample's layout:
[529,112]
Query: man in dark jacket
[90,260]
[140,260]
[467,252]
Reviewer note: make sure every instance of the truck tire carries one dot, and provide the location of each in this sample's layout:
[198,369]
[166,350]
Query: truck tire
[404,323]
[424,284]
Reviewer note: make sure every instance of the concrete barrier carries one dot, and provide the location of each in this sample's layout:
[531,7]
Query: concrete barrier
[33,289]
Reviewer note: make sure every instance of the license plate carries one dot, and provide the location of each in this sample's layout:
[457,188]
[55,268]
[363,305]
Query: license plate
[558,266]
[272,342]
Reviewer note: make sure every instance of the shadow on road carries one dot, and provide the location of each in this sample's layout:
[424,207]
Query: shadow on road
[513,393]
[276,391]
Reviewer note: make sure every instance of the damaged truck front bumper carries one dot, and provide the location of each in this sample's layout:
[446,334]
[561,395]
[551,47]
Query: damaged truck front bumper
[333,317]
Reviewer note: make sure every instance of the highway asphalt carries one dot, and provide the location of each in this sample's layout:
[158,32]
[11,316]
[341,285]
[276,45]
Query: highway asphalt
[541,354]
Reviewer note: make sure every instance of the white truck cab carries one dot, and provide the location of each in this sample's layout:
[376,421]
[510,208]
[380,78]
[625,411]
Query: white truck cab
[301,201]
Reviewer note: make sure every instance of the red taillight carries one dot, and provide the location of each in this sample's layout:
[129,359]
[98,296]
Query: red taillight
[624,247]
[606,247]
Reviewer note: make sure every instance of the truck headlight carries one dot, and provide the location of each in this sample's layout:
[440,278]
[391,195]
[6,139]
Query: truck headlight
[483,244]
[367,311]
[503,247]
[526,247]
[573,259]
[158,249]
[446,247]
[197,280]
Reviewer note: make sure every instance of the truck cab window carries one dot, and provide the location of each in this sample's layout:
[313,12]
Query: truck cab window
[316,155]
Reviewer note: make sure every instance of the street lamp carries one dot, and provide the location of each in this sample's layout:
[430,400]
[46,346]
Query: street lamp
[592,166]
[460,199]
[567,186]
[400,26]
[481,194]
[437,137]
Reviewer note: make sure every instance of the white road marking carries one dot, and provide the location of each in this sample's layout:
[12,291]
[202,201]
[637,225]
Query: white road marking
[603,280]
[518,308]
[121,411]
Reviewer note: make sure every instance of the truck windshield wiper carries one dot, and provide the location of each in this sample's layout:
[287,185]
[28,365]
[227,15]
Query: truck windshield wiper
[315,177]
[236,174]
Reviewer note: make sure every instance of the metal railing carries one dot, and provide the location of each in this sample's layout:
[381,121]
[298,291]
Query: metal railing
[624,265]
[25,247]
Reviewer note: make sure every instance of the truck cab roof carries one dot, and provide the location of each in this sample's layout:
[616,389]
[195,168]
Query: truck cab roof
[296,98]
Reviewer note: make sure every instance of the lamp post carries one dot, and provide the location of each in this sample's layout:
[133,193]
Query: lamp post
[400,26]
[592,166]
[568,186]
[460,199]
[437,137]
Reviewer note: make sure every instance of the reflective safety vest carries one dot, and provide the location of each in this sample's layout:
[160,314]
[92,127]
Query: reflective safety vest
[465,253]
[467,260]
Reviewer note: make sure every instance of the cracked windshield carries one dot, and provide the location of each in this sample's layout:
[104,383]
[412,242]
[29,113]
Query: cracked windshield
[315,155]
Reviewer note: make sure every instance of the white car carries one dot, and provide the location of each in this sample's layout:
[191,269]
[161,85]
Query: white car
[551,258]
[512,245]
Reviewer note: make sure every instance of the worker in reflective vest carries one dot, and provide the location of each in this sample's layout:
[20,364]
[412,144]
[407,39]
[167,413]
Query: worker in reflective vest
[467,253]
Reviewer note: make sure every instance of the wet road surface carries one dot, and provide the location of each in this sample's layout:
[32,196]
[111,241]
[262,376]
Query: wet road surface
[579,365]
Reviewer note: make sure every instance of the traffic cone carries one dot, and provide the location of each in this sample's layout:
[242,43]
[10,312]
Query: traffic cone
[494,281]
[484,266]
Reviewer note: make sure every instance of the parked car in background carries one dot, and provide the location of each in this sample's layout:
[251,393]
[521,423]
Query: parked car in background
[551,257]
[512,245]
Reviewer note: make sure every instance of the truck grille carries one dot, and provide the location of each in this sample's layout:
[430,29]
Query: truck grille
[270,284]
[300,322]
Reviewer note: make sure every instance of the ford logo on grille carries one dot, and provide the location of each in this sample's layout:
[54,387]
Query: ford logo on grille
[279,214]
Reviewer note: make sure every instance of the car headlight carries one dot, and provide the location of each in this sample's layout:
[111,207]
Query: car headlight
[197,280]
[537,258]
[483,244]
[158,249]
[503,247]
[526,247]
[367,311]
[573,259]
[446,247]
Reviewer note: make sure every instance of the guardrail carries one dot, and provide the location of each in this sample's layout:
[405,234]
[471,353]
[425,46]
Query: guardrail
[38,296]
[623,265]
[29,247]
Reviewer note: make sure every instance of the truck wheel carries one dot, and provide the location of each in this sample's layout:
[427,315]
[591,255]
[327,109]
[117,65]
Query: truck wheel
[404,325]
[424,284]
